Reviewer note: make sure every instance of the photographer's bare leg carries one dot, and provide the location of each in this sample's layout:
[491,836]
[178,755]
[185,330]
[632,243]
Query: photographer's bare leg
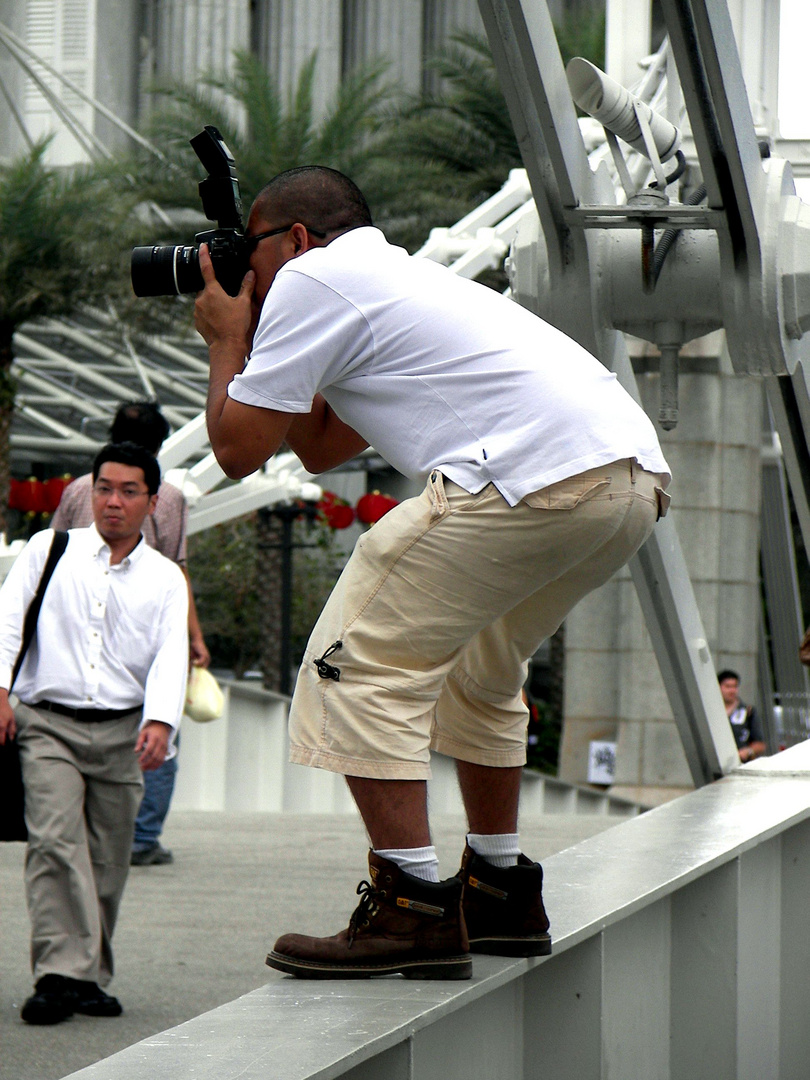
[393,811]
[490,796]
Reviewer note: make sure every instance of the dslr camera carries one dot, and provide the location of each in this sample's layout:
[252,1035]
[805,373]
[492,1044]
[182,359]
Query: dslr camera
[171,270]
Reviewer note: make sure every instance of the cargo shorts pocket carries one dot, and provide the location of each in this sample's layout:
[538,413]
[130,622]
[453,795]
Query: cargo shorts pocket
[664,501]
[566,494]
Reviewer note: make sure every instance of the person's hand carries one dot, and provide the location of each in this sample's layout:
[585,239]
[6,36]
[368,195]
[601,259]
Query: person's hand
[8,725]
[198,651]
[153,744]
[220,317]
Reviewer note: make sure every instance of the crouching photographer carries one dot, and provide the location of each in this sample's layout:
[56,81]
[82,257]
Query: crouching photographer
[542,478]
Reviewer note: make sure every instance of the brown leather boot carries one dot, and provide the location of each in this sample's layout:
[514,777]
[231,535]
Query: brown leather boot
[503,907]
[402,925]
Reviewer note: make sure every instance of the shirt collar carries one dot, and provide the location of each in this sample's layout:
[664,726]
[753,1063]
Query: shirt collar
[99,545]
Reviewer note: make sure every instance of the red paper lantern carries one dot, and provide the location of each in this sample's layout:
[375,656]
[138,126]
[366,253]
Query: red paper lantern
[53,491]
[340,516]
[15,494]
[336,512]
[28,496]
[372,506]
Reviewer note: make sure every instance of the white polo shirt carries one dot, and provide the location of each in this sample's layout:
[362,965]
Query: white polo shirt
[437,372]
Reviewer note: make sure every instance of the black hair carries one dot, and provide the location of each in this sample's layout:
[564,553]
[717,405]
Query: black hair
[321,198]
[142,423]
[129,453]
[727,673]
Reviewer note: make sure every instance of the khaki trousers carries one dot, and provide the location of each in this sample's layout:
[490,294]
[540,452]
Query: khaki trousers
[83,787]
[424,641]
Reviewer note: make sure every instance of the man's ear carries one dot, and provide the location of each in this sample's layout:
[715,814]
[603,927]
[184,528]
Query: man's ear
[152,504]
[302,239]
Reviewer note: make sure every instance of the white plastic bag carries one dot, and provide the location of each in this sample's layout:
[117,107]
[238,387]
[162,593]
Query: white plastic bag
[204,697]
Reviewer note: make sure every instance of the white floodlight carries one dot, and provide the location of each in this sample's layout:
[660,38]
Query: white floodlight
[619,111]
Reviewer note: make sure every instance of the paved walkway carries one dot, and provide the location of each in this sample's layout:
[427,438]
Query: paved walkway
[194,935]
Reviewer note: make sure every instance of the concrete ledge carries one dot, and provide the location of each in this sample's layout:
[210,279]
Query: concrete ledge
[672,932]
[240,762]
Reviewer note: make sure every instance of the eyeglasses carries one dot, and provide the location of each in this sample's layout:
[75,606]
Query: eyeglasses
[128,492]
[254,240]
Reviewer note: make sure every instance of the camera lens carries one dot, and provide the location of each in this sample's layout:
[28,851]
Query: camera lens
[165,271]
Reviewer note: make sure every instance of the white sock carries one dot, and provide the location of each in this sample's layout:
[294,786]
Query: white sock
[500,849]
[420,862]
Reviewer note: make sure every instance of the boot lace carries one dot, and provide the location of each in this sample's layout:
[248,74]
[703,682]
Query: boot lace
[365,910]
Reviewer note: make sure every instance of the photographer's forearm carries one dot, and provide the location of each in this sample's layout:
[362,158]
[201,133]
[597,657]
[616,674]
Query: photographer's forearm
[242,436]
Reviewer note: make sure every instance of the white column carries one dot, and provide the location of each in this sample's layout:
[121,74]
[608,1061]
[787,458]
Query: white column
[613,688]
[392,32]
[198,38]
[627,38]
[296,29]
[756,28]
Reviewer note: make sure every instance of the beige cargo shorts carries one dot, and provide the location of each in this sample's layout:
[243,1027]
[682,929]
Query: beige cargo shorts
[424,642]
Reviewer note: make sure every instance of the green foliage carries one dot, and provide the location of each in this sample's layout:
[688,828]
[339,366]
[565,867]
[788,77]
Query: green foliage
[545,727]
[268,133]
[57,249]
[464,130]
[421,161]
[223,569]
[582,34]
[317,564]
[226,572]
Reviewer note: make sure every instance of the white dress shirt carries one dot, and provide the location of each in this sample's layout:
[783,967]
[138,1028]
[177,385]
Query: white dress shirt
[108,637]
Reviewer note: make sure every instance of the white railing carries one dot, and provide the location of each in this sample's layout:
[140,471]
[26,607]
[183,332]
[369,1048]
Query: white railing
[681,952]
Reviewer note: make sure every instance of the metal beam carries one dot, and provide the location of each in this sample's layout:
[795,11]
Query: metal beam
[533,81]
[781,583]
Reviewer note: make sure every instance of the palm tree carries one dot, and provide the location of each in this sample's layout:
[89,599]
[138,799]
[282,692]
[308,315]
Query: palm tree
[464,128]
[465,125]
[52,258]
[267,133]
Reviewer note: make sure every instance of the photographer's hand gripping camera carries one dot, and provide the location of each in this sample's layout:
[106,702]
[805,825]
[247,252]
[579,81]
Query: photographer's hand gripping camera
[170,270]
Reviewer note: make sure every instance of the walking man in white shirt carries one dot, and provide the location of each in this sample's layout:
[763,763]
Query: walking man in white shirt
[101,692]
[543,477]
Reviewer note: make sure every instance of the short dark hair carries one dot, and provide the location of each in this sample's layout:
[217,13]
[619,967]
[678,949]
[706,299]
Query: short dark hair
[140,422]
[129,453]
[321,198]
[727,673]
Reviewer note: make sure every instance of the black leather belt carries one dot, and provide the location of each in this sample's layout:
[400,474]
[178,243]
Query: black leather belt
[87,716]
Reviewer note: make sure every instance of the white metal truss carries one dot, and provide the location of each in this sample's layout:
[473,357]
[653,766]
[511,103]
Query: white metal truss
[74,373]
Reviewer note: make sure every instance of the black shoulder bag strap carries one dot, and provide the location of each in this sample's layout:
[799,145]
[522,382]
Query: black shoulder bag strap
[58,545]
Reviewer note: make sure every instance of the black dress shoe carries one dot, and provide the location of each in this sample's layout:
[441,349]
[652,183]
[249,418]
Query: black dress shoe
[91,1000]
[157,855]
[53,1001]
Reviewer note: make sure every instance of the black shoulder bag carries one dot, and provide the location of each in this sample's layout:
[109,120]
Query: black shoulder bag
[12,794]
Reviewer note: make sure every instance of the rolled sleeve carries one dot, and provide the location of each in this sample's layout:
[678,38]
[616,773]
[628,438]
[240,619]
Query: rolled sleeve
[165,689]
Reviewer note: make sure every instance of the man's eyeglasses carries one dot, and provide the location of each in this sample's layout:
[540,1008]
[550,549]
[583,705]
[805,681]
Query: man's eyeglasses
[254,240]
[128,493]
